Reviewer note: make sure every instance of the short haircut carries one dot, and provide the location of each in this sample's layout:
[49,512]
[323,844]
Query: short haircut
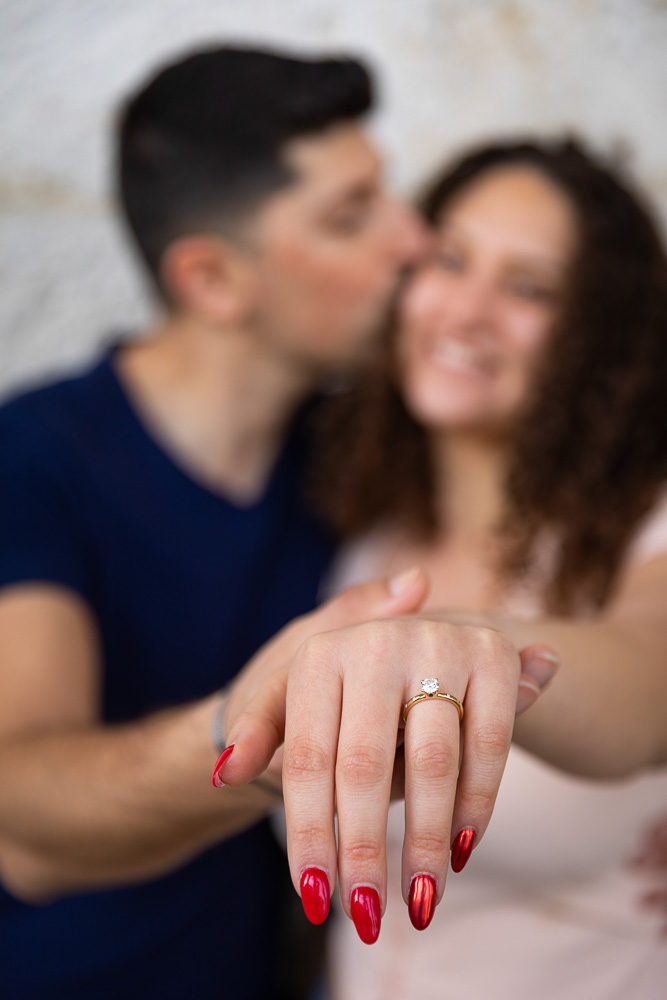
[200,145]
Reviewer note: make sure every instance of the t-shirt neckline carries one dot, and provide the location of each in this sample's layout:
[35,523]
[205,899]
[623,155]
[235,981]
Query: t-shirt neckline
[169,462]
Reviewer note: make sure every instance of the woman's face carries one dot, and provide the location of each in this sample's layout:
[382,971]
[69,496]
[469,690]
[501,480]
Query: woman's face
[476,318]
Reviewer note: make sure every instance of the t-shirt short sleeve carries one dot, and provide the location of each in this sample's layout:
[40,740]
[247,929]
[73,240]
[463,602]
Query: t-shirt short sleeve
[40,520]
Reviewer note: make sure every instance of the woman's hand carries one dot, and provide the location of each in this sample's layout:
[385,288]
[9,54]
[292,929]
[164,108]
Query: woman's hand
[345,698]
[254,723]
[346,689]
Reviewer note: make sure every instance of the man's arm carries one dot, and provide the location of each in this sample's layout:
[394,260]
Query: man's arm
[84,804]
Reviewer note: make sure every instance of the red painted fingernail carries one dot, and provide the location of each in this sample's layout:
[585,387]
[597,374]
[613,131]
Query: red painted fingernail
[217,780]
[462,849]
[421,905]
[315,895]
[365,910]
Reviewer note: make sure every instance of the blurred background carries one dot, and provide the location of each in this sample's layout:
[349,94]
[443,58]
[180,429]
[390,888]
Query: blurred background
[450,72]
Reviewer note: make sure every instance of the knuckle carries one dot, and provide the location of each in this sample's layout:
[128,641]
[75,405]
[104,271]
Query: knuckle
[435,761]
[431,843]
[361,766]
[298,630]
[490,743]
[316,654]
[304,759]
[364,853]
[479,801]
[304,838]
[311,649]
[496,646]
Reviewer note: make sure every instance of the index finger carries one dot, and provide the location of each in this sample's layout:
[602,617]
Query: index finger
[314,697]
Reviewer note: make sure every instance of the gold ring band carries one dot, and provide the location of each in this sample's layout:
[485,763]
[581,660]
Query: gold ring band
[429,691]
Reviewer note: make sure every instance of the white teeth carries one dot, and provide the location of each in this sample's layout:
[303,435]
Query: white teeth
[455,354]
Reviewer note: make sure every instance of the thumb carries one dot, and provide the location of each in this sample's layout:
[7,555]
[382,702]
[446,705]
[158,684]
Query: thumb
[403,594]
[254,736]
[539,664]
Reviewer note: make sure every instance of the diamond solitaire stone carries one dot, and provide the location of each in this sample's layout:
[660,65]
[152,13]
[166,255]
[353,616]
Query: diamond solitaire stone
[430,685]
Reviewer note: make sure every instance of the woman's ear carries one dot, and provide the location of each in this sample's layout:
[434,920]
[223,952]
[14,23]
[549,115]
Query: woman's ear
[209,277]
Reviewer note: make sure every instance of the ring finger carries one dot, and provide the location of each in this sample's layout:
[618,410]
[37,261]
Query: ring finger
[432,735]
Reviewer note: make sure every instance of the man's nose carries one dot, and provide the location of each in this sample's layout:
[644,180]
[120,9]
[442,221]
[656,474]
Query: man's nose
[412,238]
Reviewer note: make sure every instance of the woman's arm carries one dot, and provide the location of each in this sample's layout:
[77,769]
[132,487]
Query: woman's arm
[606,714]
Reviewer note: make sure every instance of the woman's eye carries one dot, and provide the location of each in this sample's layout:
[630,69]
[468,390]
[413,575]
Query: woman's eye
[348,223]
[531,292]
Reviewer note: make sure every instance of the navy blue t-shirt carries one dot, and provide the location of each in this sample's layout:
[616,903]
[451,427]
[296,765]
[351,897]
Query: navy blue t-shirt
[184,586]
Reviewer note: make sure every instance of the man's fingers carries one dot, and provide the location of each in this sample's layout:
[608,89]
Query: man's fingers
[538,666]
[539,663]
[400,595]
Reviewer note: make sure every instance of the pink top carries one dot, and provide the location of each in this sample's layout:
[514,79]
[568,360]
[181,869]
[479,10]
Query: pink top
[548,907]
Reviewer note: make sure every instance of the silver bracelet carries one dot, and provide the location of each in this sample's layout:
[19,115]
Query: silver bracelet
[217,722]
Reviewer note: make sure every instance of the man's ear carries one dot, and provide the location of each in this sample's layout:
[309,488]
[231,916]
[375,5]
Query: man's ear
[209,277]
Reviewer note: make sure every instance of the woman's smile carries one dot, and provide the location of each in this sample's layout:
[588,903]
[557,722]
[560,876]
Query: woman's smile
[457,357]
[477,317]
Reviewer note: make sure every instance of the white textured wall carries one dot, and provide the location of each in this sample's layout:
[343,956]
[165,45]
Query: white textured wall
[451,71]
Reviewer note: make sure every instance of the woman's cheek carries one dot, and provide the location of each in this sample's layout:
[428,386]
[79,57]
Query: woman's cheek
[530,331]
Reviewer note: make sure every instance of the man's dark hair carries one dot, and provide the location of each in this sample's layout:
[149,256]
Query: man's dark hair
[200,144]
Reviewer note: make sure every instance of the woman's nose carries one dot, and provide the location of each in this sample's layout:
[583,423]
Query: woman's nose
[458,300]
[470,302]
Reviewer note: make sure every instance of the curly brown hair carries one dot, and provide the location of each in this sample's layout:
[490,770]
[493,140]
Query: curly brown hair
[590,454]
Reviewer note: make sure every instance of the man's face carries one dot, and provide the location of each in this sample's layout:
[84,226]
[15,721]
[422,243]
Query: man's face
[329,252]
